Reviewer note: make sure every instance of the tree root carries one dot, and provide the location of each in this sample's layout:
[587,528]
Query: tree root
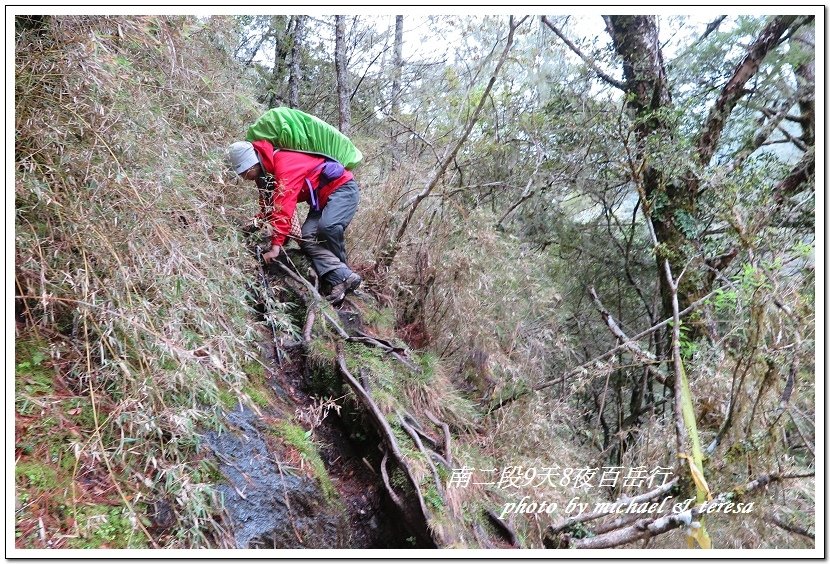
[504,529]
[447,436]
[417,440]
[385,475]
[315,299]
[385,430]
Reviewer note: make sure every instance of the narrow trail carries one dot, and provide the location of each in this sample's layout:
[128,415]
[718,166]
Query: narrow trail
[371,519]
[270,498]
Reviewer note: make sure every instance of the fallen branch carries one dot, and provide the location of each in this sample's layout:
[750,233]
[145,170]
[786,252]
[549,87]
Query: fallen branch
[791,527]
[650,527]
[654,494]
[632,346]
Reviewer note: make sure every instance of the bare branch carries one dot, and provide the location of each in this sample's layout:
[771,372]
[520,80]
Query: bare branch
[588,61]
[388,254]
[710,134]
[630,345]
[713,25]
[791,527]
[620,505]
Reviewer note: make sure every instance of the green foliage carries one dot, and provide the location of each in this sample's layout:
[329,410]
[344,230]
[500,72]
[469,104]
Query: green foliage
[102,526]
[33,378]
[301,440]
[36,475]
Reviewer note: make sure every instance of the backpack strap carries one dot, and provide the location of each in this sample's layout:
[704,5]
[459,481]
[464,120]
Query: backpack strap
[312,191]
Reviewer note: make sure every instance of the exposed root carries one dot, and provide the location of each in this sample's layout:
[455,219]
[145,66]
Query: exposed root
[447,436]
[505,530]
[417,440]
[385,430]
[385,475]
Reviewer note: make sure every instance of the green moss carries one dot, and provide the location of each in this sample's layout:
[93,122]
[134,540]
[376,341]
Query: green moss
[380,318]
[300,439]
[378,367]
[257,396]
[433,498]
[255,371]
[102,526]
[399,480]
[36,475]
[257,388]
[228,399]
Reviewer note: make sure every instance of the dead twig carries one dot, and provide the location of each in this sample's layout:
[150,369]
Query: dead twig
[791,527]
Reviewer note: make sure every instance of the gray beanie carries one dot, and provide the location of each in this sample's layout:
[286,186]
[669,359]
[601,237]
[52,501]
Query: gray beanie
[242,156]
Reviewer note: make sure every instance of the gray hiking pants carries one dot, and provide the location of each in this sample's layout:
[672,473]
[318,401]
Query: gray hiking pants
[323,233]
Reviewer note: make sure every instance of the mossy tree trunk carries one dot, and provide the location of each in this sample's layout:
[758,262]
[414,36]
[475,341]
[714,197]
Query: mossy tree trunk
[673,197]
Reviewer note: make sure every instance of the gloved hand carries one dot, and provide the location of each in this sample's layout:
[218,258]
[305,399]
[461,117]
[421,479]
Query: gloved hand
[272,254]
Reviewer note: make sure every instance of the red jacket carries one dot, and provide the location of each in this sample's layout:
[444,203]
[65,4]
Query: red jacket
[290,169]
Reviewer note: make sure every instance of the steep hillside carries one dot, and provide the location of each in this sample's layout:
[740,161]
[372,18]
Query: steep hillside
[172,392]
[134,317]
[167,393]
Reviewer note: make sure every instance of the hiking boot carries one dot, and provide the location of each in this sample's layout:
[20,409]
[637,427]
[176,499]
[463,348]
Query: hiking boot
[338,292]
[353,282]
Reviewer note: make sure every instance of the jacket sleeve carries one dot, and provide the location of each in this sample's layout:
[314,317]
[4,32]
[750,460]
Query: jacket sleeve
[285,202]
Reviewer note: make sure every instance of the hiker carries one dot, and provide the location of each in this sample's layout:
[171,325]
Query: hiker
[286,177]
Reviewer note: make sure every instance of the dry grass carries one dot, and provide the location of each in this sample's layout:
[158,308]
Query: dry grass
[127,245]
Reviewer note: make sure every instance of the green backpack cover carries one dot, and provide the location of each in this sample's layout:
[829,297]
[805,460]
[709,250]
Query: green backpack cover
[292,129]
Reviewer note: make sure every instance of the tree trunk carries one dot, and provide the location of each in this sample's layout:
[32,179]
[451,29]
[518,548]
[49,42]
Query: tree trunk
[397,71]
[342,75]
[276,94]
[636,41]
[295,75]
[806,73]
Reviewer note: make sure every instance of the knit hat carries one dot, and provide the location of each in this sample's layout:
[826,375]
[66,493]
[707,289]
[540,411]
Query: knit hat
[242,156]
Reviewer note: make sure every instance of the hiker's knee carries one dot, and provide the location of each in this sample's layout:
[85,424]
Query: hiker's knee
[309,230]
[307,243]
[331,232]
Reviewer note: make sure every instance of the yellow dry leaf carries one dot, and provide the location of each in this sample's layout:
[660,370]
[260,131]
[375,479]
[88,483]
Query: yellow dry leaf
[700,536]
[697,476]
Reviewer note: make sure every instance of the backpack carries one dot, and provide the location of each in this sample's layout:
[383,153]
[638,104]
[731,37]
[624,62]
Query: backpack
[288,128]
